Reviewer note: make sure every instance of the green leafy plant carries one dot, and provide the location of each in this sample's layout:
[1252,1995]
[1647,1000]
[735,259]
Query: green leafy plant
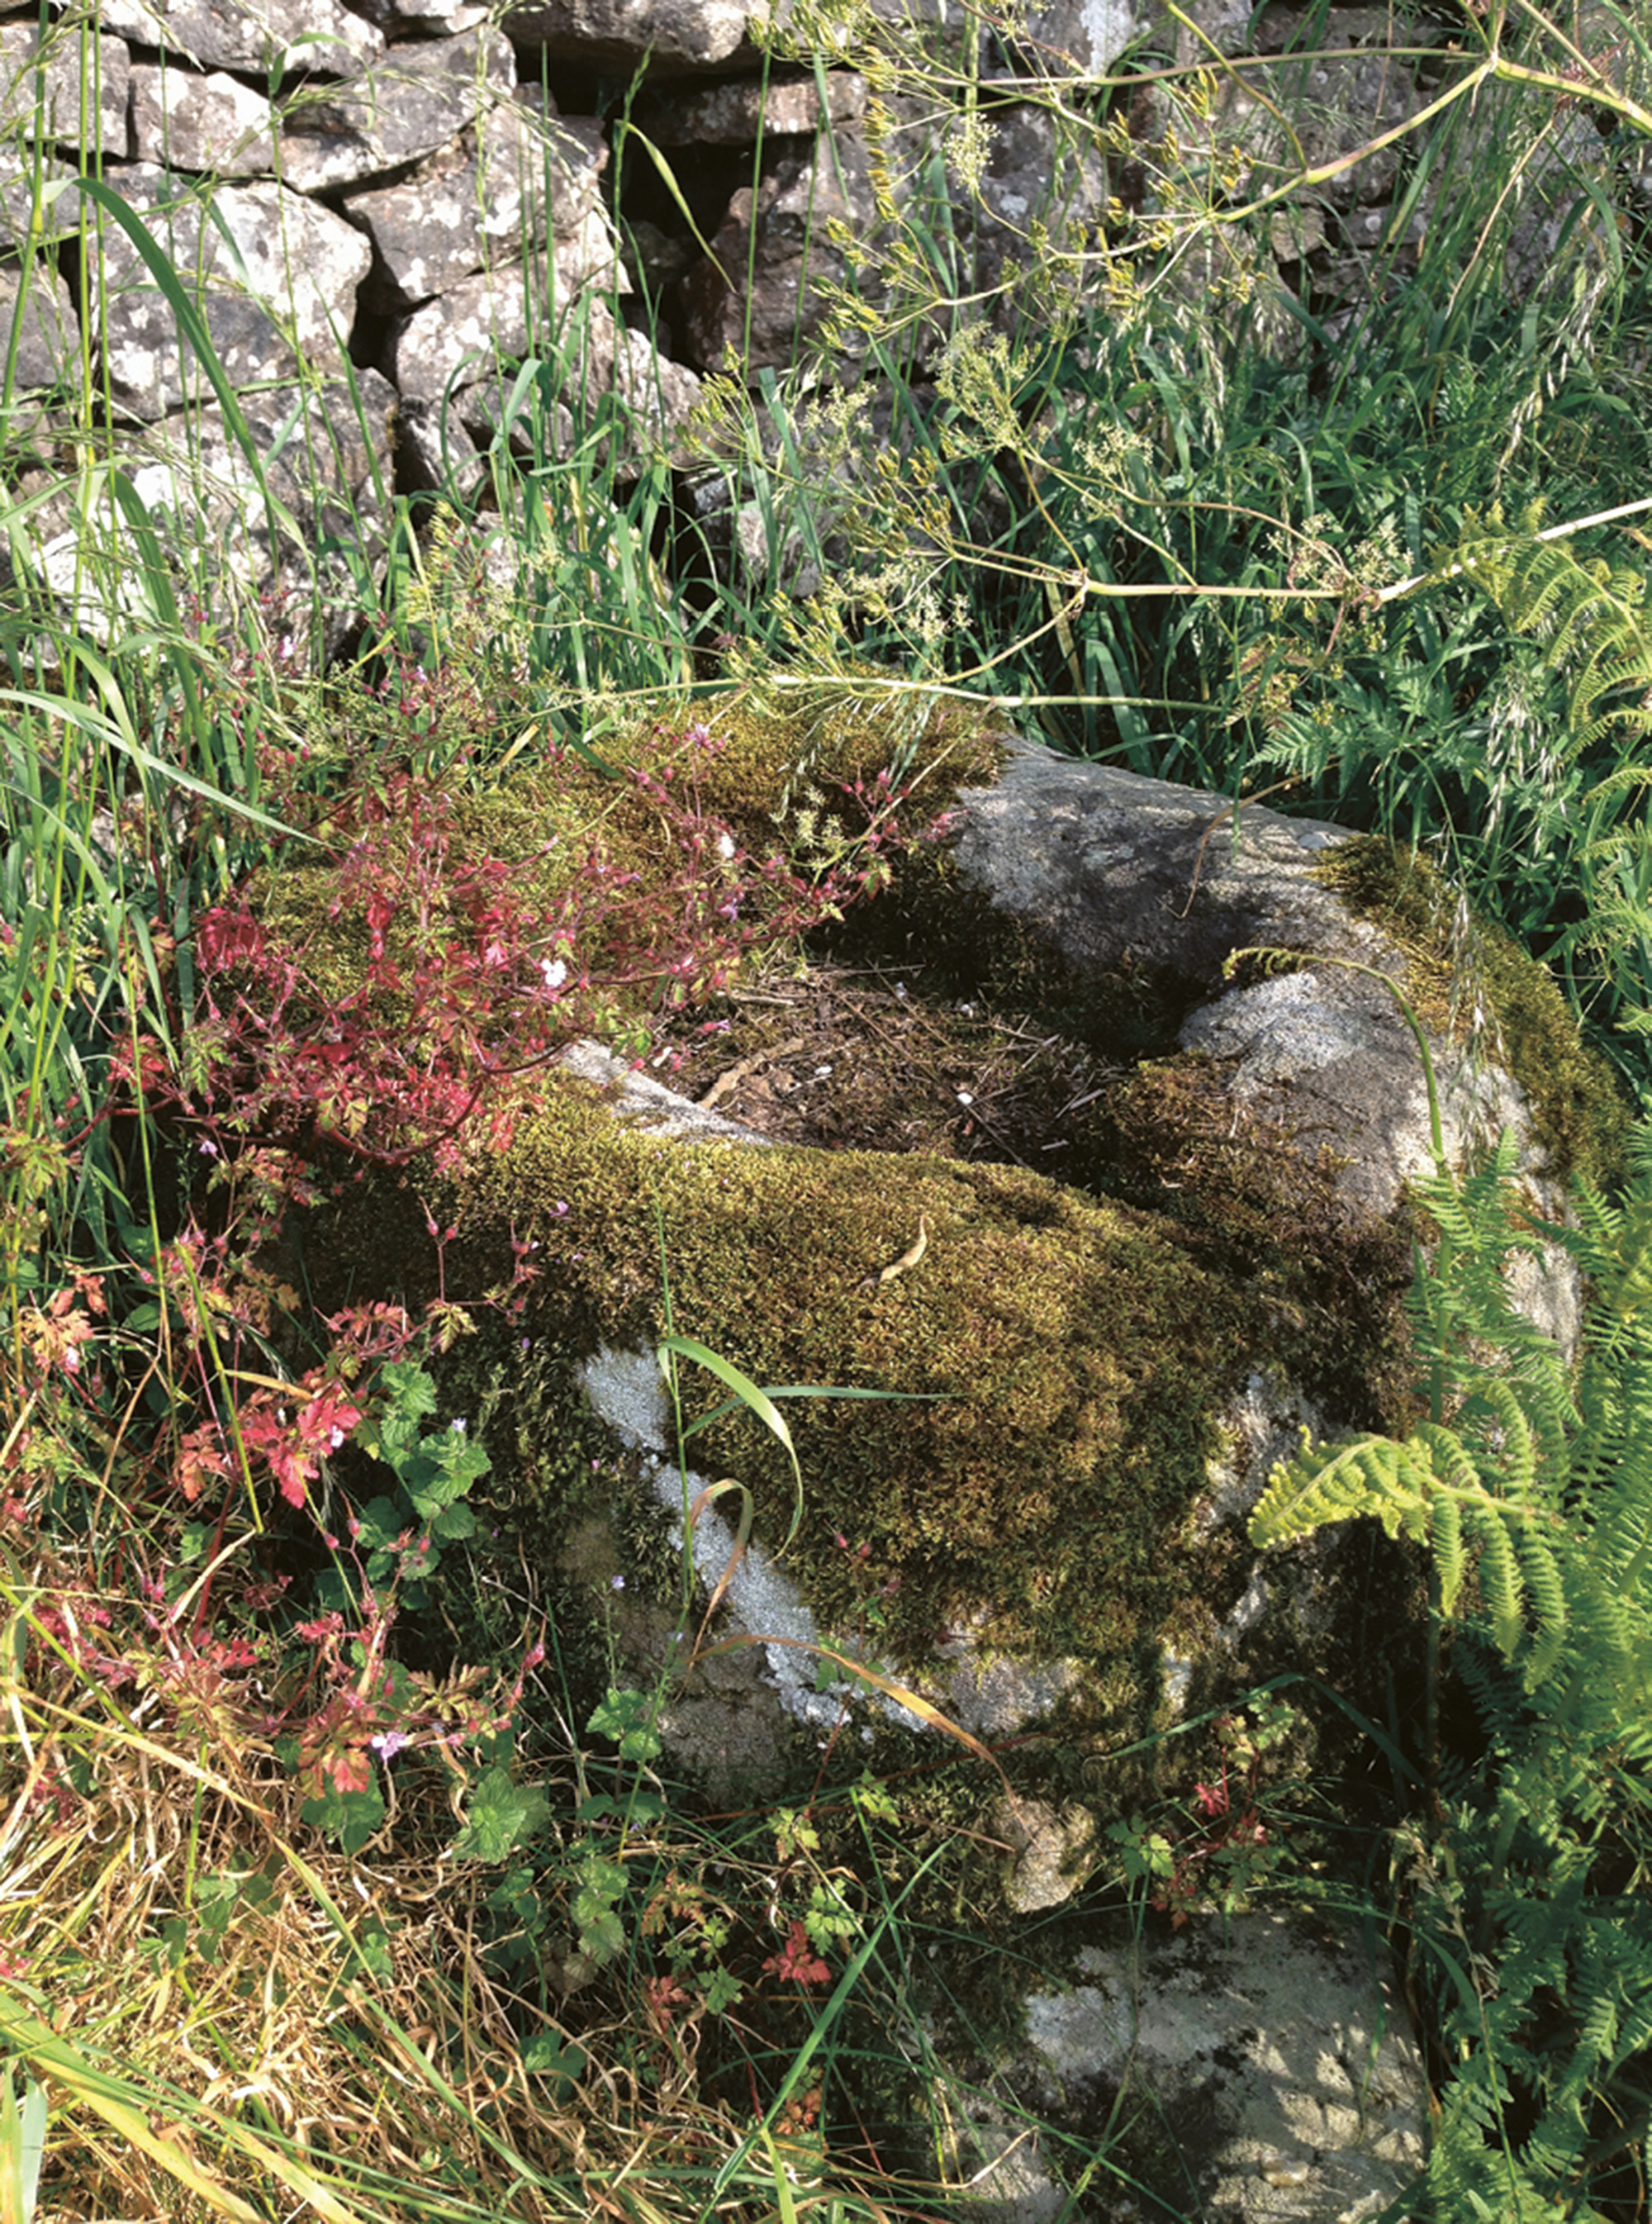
[1531,1487]
[403,1536]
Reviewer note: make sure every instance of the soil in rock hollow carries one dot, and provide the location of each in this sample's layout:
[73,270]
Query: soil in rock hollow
[854,1057]
[857,1056]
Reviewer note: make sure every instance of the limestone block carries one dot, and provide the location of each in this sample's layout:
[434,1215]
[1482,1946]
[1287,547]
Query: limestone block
[601,357]
[326,456]
[1081,38]
[37,197]
[1053,1850]
[70,87]
[206,122]
[739,113]
[675,35]
[432,19]
[38,320]
[400,108]
[463,335]
[255,35]
[513,183]
[284,292]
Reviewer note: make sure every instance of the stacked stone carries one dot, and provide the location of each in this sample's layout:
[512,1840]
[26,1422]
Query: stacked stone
[396,186]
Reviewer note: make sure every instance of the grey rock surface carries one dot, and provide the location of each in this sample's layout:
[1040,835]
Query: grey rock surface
[67,88]
[1119,871]
[1128,876]
[40,334]
[738,114]
[211,122]
[1270,2053]
[674,35]
[1052,1851]
[406,104]
[289,35]
[38,197]
[274,274]
[325,452]
[507,185]
[1082,38]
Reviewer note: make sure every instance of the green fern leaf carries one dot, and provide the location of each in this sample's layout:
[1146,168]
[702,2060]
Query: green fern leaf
[1500,1581]
[1447,1538]
[1327,1483]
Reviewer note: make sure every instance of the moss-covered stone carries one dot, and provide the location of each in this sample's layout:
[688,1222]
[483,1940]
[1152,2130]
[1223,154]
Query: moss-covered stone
[1068,1345]
[1063,1358]
[1071,1362]
[1459,965]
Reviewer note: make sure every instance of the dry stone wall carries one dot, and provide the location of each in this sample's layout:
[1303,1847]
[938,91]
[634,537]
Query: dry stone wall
[424,190]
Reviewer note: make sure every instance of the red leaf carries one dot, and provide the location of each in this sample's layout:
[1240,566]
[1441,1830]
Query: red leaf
[795,1962]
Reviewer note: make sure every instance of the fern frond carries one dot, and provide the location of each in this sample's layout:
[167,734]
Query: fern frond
[1547,1585]
[1594,1239]
[1518,1451]
[1501,1584]
[1591,618]
[1626,1287]
[1448,1461]
[1446,1535]
[1326,1483]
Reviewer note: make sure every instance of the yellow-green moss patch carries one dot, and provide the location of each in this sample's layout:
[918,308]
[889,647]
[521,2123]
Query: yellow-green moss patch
[1578,1114]
[774,773]
[1079,1353]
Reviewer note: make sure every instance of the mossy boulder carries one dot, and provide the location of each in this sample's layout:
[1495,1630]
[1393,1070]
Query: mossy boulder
[1080,1383]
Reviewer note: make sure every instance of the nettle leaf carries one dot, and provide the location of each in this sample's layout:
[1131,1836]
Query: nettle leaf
[348,1818]
[381,1521]
[503,1815]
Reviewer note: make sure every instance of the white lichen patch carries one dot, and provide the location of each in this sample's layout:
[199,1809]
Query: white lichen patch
[627,1390]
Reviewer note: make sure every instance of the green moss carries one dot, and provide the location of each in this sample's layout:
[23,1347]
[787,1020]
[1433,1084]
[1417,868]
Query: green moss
[1268,1216]
[1078,1356]
[1578,1114]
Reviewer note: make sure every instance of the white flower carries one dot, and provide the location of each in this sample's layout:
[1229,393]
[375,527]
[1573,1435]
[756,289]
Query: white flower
[553,974]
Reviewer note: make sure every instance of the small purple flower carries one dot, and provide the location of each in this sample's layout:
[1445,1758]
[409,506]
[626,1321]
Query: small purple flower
[618,1583]
[389,1743]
